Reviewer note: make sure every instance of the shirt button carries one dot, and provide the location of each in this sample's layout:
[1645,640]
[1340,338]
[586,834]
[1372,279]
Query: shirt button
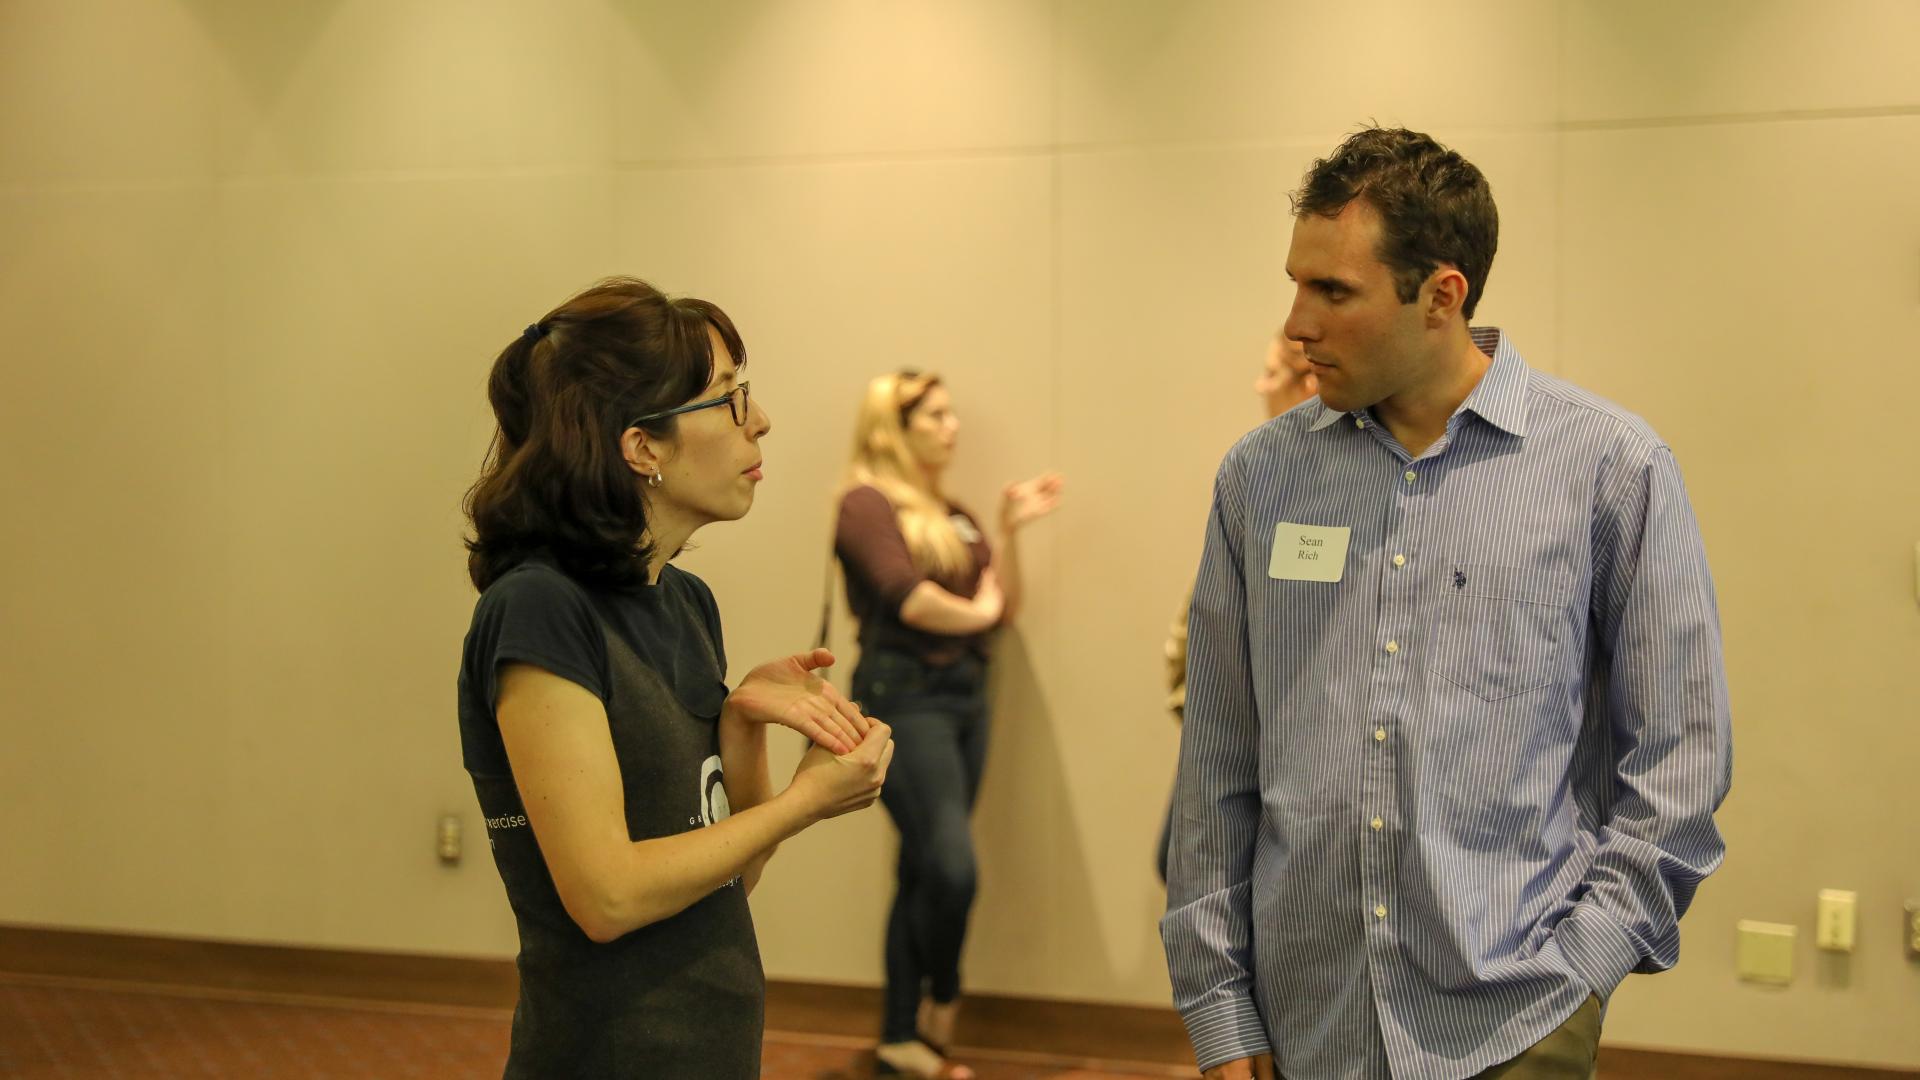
[1412,476]
[1377,824]
[1379,911]
[1399,560]
[1360,423]
[1393,646]
[1380,734]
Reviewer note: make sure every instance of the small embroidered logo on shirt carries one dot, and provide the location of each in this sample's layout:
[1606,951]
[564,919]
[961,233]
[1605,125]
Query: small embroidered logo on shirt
[1459,579]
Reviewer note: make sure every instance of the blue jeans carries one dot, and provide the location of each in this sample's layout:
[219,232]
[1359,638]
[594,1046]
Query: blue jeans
[939,721]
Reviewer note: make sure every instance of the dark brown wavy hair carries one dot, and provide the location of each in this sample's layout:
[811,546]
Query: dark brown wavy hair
[1435,206]
[554,479]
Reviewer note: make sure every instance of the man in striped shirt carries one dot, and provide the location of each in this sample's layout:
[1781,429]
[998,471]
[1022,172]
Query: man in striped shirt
[1457,716]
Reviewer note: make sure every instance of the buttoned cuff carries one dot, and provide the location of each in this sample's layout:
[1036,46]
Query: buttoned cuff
[1226,1031]
[1597,948]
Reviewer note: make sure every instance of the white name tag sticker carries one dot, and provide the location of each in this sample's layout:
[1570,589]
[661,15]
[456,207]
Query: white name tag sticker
[1308,552]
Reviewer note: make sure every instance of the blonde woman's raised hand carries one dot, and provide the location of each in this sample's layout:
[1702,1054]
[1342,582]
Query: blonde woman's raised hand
[788,692]
[1029,500]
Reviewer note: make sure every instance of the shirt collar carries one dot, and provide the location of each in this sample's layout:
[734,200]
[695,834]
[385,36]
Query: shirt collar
[1328,416]
[1500,398]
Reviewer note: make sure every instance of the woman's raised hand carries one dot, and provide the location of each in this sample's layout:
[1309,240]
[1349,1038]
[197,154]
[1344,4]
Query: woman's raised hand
[788,692]
[1028,500]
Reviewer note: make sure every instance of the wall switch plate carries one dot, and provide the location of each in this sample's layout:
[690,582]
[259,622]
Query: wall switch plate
[1765,954]
[1911,930]
[1834,925]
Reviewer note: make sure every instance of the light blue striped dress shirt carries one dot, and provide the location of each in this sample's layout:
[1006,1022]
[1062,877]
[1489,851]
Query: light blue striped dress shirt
[1427,809]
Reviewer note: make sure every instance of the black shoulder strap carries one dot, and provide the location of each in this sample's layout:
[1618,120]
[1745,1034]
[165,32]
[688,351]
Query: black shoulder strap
[826,605]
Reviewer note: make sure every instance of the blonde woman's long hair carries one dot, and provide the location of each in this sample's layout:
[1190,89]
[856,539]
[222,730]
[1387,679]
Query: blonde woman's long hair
[883,459]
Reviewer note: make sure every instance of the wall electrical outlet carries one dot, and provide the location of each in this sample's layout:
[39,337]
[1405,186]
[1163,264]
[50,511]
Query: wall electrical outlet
[1834,927]
[446,837]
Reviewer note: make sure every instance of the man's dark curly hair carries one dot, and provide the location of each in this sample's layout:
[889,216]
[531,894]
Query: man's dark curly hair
[1435,206]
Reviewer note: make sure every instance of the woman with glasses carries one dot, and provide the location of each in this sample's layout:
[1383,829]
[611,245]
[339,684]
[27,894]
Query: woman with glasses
[625,789]
[927,588]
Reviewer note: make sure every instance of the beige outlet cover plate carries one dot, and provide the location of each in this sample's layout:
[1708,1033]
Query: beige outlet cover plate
[1765,954]
[1835,920]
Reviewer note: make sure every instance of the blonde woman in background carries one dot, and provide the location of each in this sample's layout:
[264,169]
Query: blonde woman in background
[927,588]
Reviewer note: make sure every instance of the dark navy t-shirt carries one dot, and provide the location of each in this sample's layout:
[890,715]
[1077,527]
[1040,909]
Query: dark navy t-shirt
[680,997]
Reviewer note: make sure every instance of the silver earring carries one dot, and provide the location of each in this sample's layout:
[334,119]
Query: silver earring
[654,480]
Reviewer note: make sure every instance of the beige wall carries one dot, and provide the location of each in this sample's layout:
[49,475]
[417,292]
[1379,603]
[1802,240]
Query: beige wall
[1740,263]
[257,257]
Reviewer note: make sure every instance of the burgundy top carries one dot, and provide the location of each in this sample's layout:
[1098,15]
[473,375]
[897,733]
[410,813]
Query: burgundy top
[880,573]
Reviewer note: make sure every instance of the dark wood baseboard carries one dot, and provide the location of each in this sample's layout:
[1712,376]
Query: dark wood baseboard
[260,971]
[1063,1029]
[1621,1063]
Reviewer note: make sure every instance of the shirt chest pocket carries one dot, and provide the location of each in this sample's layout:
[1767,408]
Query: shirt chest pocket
[1502,631]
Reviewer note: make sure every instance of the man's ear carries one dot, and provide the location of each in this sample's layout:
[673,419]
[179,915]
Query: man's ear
[1447,295]
[643,453]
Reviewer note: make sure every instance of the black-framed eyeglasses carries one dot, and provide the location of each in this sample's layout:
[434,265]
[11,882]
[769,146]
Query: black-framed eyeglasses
[735,400]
